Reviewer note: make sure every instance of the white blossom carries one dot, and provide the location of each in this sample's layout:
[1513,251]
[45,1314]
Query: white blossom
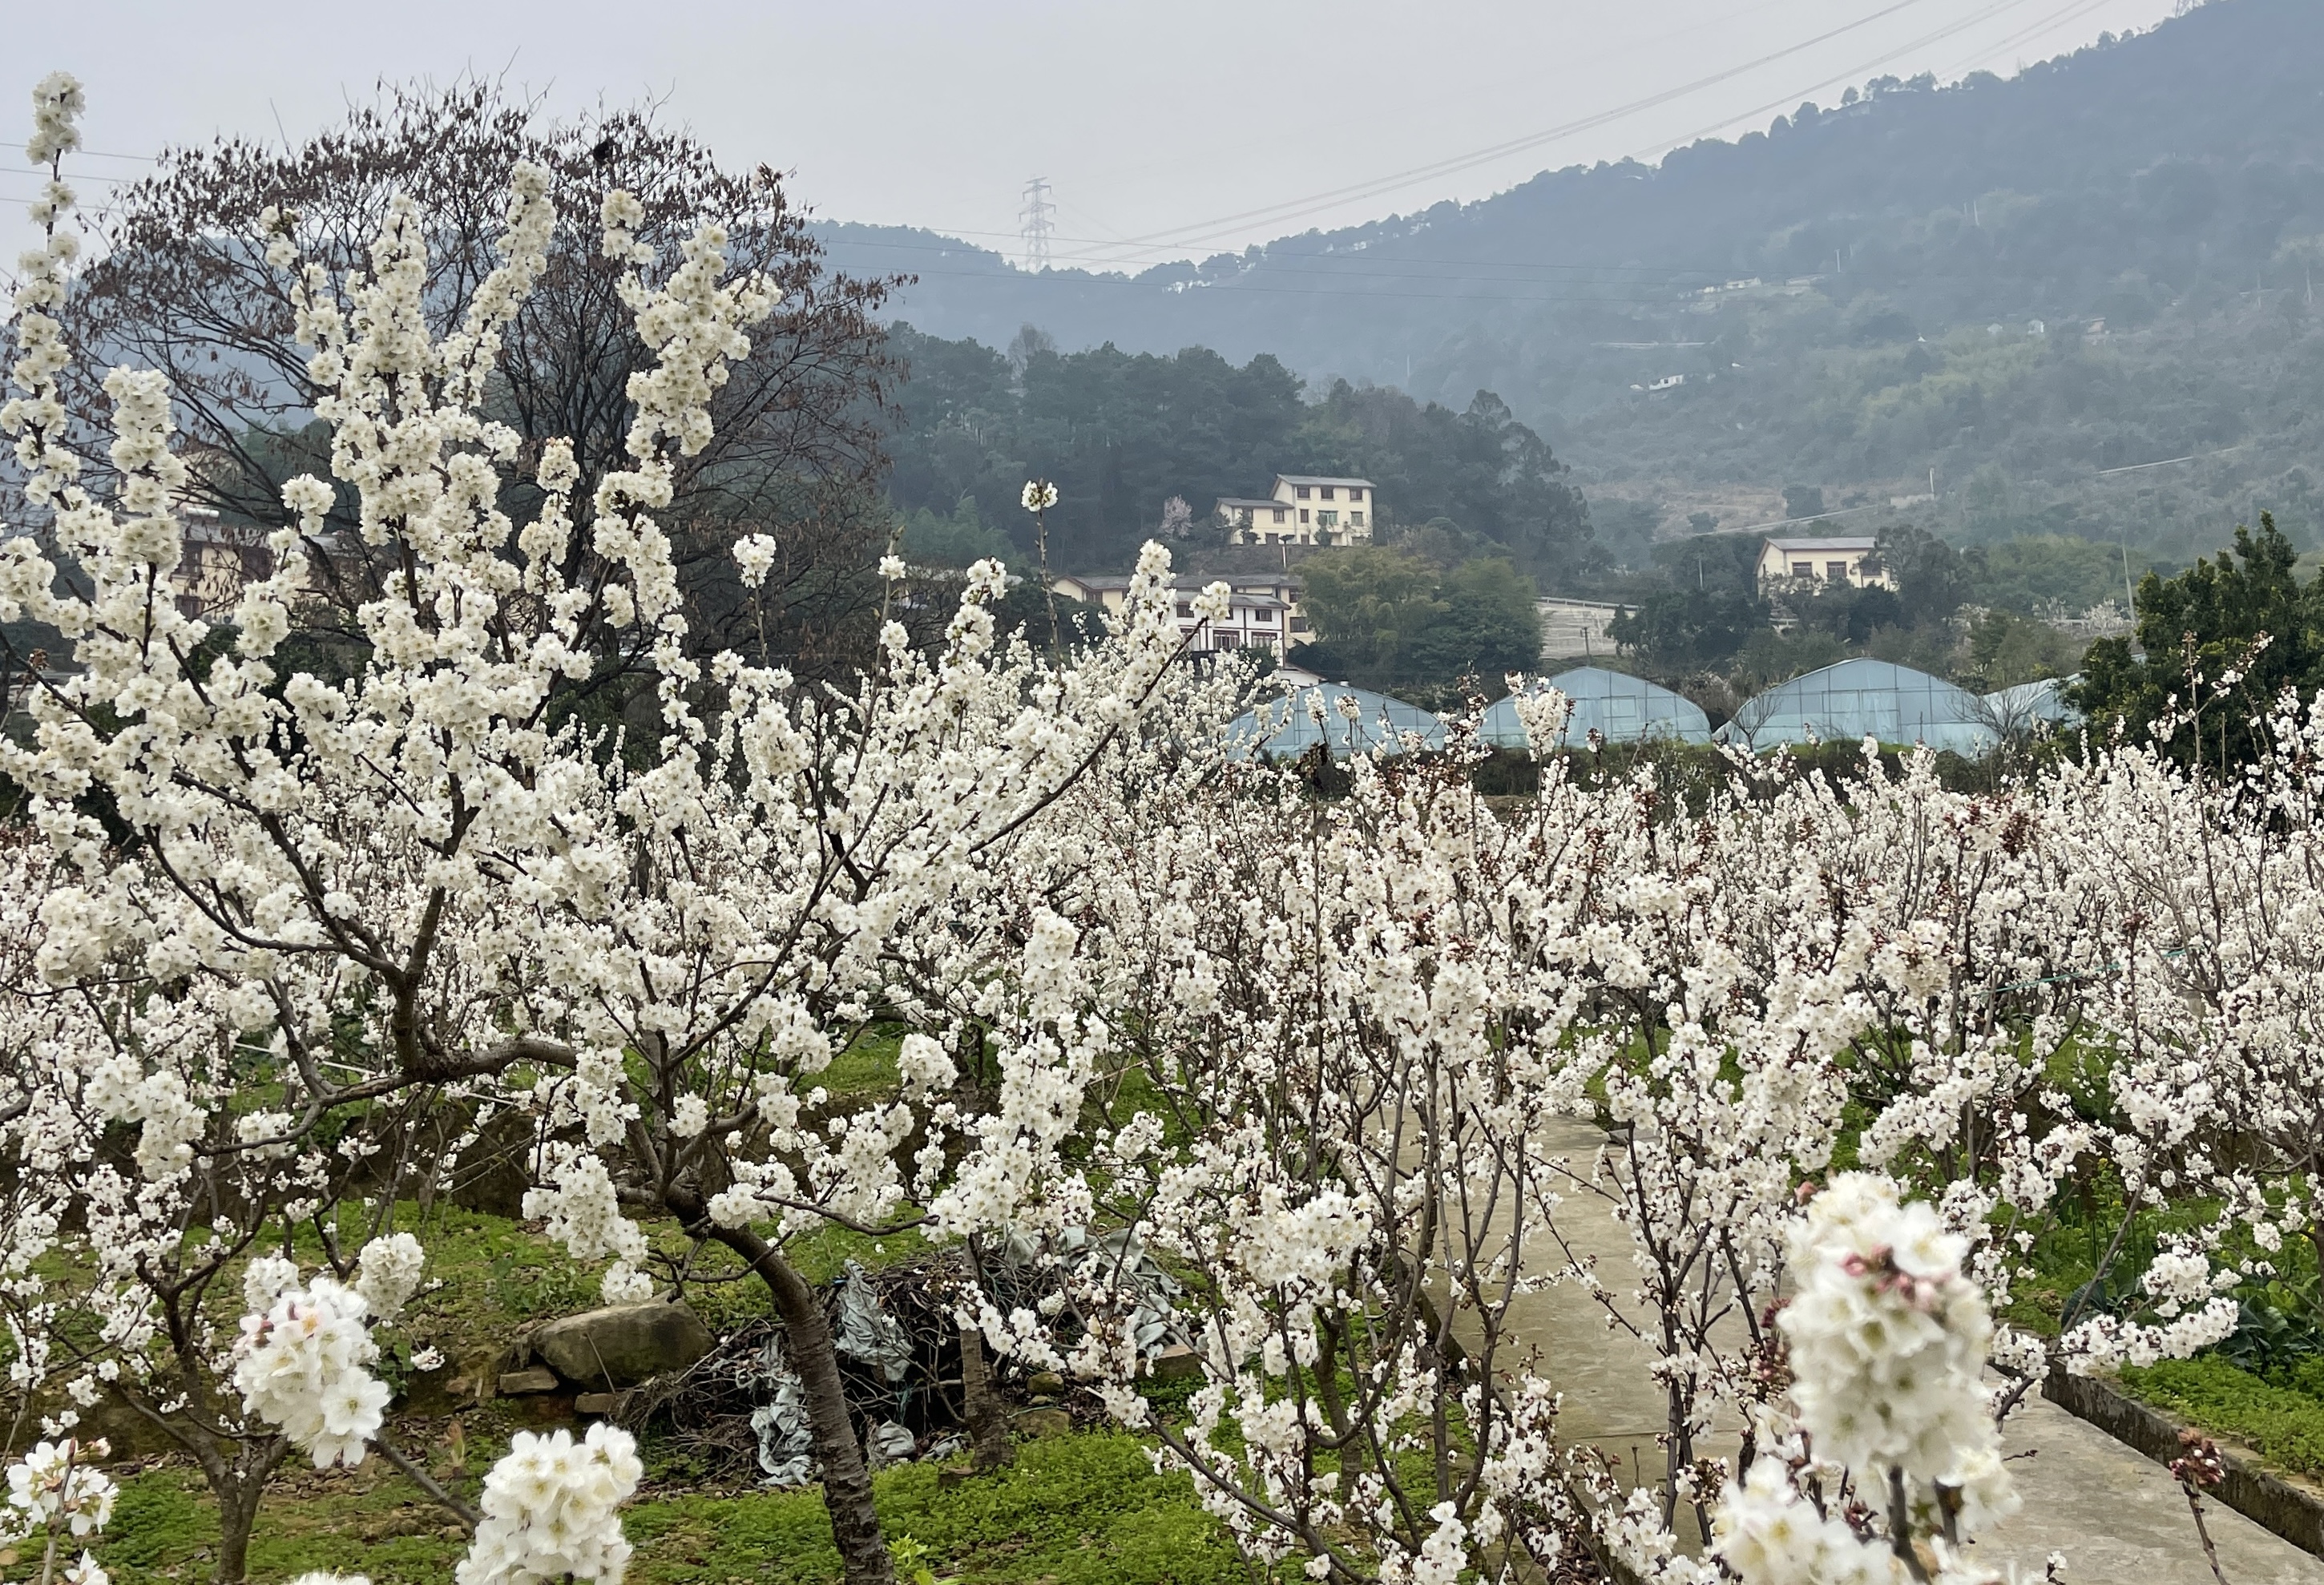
[550,1509]
[302,1365]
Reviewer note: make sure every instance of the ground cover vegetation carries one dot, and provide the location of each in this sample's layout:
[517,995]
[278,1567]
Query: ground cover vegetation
[990,945]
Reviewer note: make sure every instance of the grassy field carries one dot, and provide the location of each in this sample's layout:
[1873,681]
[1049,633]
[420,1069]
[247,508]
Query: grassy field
[1084,1507]
[1080,1509]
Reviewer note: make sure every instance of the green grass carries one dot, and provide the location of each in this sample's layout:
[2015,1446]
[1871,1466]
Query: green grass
[2284,1425]
[1085,1509]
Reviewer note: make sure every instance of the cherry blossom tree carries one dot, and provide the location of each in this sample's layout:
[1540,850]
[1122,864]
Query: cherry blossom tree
[410,882]
[179,283]
[1290,1060]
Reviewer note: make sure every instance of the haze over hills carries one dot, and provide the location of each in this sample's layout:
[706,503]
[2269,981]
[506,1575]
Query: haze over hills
[2104,262]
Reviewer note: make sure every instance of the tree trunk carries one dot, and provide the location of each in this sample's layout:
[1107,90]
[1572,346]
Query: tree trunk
[236,1470]
[1335,1412]
[806,1334]
[237,1518]
[988,1433]
[239,1488]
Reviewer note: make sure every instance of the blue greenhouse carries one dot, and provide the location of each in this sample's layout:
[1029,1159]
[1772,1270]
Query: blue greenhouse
[1862,698]
[1620,709]
[1353,721]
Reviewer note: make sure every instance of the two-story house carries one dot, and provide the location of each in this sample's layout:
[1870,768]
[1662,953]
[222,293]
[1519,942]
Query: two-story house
[1822,561]
[1263,611]
[1304,509]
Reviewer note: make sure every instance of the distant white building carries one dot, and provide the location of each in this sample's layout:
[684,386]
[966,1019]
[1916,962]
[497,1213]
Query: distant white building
[1304,509]
[1823,560]
[1263,612]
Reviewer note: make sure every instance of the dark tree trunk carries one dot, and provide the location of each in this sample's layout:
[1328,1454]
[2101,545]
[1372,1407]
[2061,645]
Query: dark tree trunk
[237,1518]
[236,1470]
[806,1334]
[240,1487]
[988,1432]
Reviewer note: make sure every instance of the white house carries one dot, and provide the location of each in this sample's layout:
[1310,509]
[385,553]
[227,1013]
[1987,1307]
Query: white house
[1823,560]
[1262,613]
[1304,509]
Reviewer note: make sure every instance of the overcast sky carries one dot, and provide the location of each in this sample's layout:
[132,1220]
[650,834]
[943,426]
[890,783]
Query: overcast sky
[1186,128]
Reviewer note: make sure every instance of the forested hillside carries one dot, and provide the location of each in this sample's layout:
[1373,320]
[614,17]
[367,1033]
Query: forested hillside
[2104,262]
[1123,433]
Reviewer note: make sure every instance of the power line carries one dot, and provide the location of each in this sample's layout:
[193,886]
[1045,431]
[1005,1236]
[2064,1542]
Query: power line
[1947,31]
[1356,271]
[2171,461]
[1297,207]
[2059,18]
[1409,269]
[70,175]
[90,153]
[1348,264]
[1058,278]
[1794,521]
[1925,40]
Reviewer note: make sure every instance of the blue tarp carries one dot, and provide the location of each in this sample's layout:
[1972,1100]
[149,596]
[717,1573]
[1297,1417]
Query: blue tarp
[1862,698]
[1379,723]
[1620,708]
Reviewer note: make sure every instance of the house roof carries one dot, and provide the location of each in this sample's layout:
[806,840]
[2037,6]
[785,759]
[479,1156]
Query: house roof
[1225,501]
[1258,592]
[1318,479]
[1829,542]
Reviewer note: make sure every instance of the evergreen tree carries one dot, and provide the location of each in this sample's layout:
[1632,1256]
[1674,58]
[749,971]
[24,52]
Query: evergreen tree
[2245,615]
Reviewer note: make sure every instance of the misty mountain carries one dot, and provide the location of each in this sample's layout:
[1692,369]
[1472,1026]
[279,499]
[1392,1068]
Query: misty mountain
[2104,262]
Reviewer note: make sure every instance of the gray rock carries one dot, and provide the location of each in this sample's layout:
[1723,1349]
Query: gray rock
[623,1345]
[1176,1363]
[517,1383]
[1042,1423]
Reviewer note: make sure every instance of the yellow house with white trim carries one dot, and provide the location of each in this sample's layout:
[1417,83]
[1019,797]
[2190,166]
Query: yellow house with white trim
[1304,509]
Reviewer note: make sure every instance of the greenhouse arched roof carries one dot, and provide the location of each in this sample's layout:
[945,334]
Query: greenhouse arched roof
[1861,698]
[2036,705]
[1619,707]
[1290,727]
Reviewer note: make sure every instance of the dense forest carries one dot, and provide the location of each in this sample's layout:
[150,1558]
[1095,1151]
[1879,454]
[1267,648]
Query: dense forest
[2013,287]
[1123,433]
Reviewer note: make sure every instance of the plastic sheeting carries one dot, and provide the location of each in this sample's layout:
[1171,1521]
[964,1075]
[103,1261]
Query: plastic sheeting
[1115,1272]
[786,1444]
[1620,708]
[2033,706]
[1353,720]
[1862,698]
[866,1333]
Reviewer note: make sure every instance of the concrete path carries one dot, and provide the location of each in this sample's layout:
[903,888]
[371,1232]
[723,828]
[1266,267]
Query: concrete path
[2119,1518]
